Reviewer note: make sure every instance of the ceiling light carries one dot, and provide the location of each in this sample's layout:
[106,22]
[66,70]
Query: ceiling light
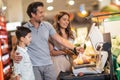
[100,0]
[4,8]
[50,8]
[117,2]
[49,1]
[71,2]
[84,12]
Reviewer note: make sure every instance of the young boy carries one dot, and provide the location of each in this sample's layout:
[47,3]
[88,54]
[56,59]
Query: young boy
[23,70]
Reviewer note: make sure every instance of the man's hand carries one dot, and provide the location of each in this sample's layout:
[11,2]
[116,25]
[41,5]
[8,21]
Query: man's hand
[16,56]
[79,49]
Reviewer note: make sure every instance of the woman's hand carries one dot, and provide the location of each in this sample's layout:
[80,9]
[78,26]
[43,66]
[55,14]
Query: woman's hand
[16,56]
[57,52]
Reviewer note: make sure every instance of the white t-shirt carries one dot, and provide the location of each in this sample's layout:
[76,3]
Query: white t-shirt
[24,67]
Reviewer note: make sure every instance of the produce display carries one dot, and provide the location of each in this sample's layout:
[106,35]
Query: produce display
[88,57]
[116,54]
[116,47]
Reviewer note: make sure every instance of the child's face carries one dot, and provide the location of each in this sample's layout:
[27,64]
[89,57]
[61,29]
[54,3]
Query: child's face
[27,39]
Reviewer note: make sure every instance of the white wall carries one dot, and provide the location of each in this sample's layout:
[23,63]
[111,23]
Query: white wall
[14,10]
[104,3]
[1,3]
[113,27]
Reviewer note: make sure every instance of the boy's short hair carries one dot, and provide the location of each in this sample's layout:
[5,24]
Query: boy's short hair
[22,32]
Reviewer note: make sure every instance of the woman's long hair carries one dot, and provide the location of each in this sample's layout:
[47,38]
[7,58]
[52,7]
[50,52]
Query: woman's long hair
[57,25]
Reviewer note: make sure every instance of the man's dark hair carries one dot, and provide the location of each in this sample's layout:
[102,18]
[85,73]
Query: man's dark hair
[22,32]
[32,8]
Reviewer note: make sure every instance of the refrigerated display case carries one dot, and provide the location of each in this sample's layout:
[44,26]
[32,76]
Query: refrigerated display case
[4,51]
[112,25]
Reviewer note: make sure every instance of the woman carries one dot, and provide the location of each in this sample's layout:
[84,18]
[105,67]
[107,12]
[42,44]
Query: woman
[58,52]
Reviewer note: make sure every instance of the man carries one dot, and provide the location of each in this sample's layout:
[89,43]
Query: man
[39,49]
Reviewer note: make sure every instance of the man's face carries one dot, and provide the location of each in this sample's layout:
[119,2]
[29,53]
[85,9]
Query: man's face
[38,17]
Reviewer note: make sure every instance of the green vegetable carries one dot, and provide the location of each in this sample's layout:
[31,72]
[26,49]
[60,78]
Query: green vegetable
[118,59]
[115,51]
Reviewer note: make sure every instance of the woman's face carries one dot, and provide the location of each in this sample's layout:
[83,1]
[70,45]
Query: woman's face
[64,21]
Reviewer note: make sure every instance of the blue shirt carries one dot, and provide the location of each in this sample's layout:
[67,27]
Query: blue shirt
[24,67]
[38,48]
